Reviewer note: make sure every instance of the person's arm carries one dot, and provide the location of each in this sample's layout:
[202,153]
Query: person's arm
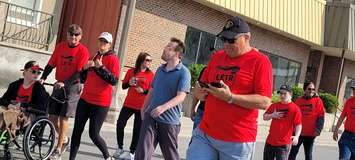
[83,75]
[106,75]
[146,102]
[251,101]
[344,113]
[5,100]
[320,118]
[179,98]
[40,98]
[298,129]
[74,77]
[193,107]
[47,70]
[127,77]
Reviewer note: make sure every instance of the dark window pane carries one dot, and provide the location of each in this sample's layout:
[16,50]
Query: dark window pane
[206,47]
[191,41]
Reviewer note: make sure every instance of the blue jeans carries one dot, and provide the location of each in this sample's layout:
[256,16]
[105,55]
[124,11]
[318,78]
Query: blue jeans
[204,147]
[198,117]
[347,146]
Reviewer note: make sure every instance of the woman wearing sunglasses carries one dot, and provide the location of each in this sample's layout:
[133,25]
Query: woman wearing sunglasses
[138,81]
[100,74]
[312,120]
[26,92]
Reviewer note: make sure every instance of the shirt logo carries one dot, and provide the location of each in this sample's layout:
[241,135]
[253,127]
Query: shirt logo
[227,73]
[306,109]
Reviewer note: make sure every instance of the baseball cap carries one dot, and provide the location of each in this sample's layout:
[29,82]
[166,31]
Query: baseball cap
[285,88]
[233,27]
[107,36]
[32,65]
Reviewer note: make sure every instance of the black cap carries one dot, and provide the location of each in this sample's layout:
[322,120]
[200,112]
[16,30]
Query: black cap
[285,88]
[233,27]
[32,65]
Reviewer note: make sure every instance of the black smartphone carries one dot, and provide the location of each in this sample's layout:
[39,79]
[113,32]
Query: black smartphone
[203,85]
[216,84]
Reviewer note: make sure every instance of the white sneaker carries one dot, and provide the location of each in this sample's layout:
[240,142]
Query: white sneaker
[126,156]
[117,153]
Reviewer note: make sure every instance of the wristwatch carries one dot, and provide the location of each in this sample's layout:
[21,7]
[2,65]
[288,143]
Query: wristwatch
[230,100]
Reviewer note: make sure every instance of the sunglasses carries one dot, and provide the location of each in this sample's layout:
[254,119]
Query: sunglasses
[311,89]
[74,34]
[229,41]
[38,72]
[148,60]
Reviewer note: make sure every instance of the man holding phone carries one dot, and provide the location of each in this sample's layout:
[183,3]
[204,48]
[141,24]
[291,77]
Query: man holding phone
[239,80]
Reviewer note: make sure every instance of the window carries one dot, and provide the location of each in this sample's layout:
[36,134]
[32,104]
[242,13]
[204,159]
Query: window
[25,12]
[285,71]
[348,91]
[199,46]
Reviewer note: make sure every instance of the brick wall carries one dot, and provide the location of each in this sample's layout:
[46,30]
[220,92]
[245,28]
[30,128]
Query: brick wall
[155,21]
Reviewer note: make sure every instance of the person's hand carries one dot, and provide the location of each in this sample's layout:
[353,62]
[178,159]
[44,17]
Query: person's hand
[295,140]
[276,115]
[158,111]
[98,62]
[41,81]
[335,135]
[199,92]
[222,93]
[133,81]
[90,63]
[59,85]
[13,106]
[192,115]
[139,89]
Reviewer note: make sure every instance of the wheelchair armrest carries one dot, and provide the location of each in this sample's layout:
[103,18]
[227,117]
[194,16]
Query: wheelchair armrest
[35,111]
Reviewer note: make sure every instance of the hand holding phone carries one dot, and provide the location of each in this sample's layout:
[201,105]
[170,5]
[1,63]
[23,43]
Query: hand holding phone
[203,85]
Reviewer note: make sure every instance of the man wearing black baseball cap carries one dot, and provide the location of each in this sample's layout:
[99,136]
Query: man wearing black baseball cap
[229,125]
[346,145]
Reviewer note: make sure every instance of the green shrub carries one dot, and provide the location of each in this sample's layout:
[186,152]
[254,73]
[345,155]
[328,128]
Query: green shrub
[275,97]
[330,102]
[195,70]
[297,92]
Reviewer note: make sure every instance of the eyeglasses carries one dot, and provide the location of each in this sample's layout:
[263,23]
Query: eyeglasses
[282,93]
[38,72]
[74,34]
[311,89]
[229,41]
[148,60]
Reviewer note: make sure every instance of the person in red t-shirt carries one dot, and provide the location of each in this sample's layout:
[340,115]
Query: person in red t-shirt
[237,82]
[346,143]
[138,81]
[286,117]
[99,75]
[312,109]
[68,58]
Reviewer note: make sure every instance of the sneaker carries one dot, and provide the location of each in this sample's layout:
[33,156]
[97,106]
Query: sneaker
[65,145]
[118,153]
[126,156]
[55,155]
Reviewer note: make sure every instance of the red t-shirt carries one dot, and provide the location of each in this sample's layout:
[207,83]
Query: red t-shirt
[68,60]
[96,90]
[24,95]
[281,129]
[349,113]
[250,73]
[311,109]
[134,99]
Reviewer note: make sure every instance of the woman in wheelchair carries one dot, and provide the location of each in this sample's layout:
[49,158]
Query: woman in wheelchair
[28,97]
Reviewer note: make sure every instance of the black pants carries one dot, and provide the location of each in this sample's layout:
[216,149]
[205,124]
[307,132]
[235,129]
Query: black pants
[276,152]
[152,133]
[97,115]
[307,145]
[125,114]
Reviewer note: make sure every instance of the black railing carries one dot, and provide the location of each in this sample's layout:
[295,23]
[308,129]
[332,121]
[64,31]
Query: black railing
[25,26]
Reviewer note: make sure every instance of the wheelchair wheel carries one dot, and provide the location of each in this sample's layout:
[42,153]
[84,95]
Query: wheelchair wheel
[39,139]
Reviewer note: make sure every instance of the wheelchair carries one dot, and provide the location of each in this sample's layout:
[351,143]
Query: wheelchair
[38,137]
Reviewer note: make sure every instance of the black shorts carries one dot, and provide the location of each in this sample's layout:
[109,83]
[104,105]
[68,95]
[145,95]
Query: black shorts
[69,107]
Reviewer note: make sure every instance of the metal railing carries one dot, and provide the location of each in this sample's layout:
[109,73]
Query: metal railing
[25,26]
